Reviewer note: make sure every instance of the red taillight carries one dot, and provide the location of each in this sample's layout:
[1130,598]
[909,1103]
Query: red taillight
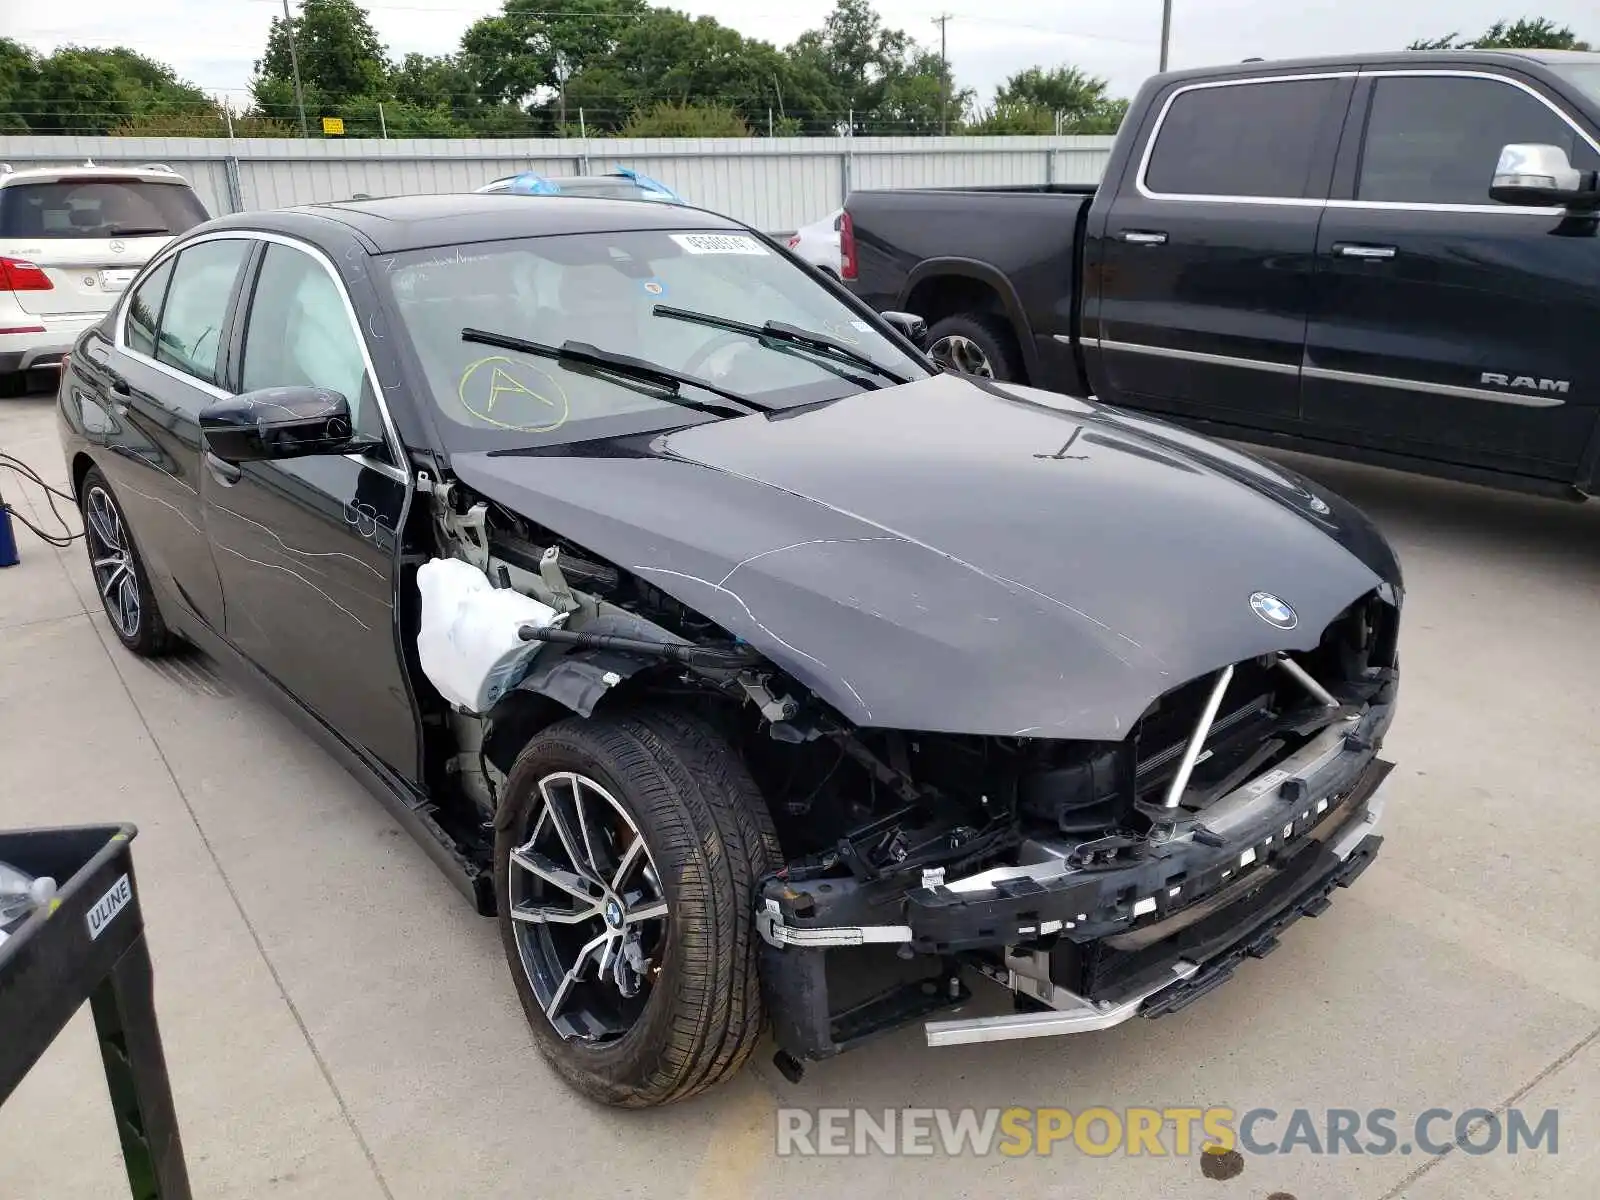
[794,241]
[20,275]
[847,247]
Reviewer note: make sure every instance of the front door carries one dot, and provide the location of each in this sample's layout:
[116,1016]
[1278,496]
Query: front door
[1198,287]
[306,547]
[1447,326]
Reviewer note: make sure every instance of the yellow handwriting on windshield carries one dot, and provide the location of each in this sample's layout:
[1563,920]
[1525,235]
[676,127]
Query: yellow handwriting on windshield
[496,391]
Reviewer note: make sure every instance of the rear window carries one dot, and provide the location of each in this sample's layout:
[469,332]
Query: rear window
[97,208]
[1248,139]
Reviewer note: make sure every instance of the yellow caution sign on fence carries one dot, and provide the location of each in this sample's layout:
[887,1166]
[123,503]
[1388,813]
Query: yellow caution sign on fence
[333,126]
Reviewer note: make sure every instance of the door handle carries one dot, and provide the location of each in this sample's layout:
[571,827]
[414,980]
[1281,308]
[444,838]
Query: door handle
[225,473]
[1143,237]
[1364,251]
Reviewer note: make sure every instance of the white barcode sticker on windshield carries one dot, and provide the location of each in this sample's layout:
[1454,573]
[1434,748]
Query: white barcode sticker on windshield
[718,243]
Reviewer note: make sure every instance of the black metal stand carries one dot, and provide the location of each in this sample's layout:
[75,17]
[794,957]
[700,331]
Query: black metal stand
[89,945]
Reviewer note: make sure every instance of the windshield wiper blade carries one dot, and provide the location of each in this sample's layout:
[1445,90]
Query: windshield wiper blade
[782,331]
[137,230]
[624,365]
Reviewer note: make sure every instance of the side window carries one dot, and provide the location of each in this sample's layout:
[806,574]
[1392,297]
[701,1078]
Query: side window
[197,304]
[1248,139]
[299,332]
[1434,139]
[144,310]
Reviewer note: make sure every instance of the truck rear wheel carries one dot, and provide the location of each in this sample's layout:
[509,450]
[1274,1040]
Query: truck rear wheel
[976,344]
[628,851]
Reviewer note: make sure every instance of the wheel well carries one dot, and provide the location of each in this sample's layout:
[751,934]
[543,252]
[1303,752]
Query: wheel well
[522,715]
[81,463]
[942,296]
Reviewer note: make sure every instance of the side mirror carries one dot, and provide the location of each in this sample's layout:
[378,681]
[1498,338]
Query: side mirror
[909,326]
[1533,174]
[278,422]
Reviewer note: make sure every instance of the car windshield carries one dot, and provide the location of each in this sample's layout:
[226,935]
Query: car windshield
[602,289]
[97,208]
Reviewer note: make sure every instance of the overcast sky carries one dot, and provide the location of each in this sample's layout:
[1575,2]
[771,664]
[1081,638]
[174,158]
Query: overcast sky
[214,42]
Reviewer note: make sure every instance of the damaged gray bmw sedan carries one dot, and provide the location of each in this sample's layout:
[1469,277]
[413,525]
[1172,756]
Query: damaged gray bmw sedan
[752,672]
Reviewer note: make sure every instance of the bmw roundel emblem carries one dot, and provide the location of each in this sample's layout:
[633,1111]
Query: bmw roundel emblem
[1273,611]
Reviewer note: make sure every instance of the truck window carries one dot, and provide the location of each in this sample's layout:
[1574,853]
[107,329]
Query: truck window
[1435,139]
[1240,139]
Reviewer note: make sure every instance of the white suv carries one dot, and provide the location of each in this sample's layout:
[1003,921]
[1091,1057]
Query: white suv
[70,240]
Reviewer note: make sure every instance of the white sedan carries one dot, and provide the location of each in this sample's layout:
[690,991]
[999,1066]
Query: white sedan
[818,242]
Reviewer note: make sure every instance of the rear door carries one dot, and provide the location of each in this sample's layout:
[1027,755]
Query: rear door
[1447,326]
[162,369]
[1200,283]
[90,235]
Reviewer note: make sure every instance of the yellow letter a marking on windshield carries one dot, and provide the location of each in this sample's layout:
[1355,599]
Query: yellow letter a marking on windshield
[501,382]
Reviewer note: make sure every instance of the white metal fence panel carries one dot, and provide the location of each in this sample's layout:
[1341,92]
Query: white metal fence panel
[772,183]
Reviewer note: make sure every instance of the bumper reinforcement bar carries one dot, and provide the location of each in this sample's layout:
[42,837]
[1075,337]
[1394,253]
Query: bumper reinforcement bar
[1071,1013]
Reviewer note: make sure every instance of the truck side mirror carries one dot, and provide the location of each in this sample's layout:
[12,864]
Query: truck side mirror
[909,326]
[1534,174]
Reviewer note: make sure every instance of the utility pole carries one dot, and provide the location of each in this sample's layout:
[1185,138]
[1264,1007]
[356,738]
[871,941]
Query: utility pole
[1166,30]
[294,62]
[941,21]
[562,73]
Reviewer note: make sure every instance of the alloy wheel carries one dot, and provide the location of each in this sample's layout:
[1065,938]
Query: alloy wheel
[111,558]
[590,914]
[955,352]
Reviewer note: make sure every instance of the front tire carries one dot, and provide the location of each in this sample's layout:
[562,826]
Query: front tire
[628,852]
[119,573]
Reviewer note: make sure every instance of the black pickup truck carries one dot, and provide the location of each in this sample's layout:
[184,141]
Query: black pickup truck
[1390,258]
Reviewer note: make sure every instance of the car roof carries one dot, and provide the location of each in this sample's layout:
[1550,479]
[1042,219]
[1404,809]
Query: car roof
[1387,58]
[417,222]
[145,173]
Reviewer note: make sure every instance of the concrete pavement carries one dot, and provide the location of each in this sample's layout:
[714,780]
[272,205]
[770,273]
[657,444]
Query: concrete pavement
[339,1024]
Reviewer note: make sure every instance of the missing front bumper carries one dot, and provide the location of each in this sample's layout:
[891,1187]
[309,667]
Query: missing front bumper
[1096,955]
[1178,985]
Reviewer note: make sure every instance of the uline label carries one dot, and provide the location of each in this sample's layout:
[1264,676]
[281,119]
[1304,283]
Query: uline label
[108,906]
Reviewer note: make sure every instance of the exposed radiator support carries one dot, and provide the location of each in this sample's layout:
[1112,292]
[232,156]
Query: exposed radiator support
[1197,739]
[1303,677]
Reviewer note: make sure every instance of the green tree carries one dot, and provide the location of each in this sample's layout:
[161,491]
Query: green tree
[914,98]
[535,46]
[213,124]
[434,82]
[19,73]
[671,119]
[82,90]
[1057,99]
[1009,118]
[1530,33]
[874,75]
[1064,90]
[340,57]
[670,56]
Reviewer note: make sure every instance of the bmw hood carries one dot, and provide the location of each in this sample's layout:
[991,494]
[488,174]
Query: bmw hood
[959,556]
